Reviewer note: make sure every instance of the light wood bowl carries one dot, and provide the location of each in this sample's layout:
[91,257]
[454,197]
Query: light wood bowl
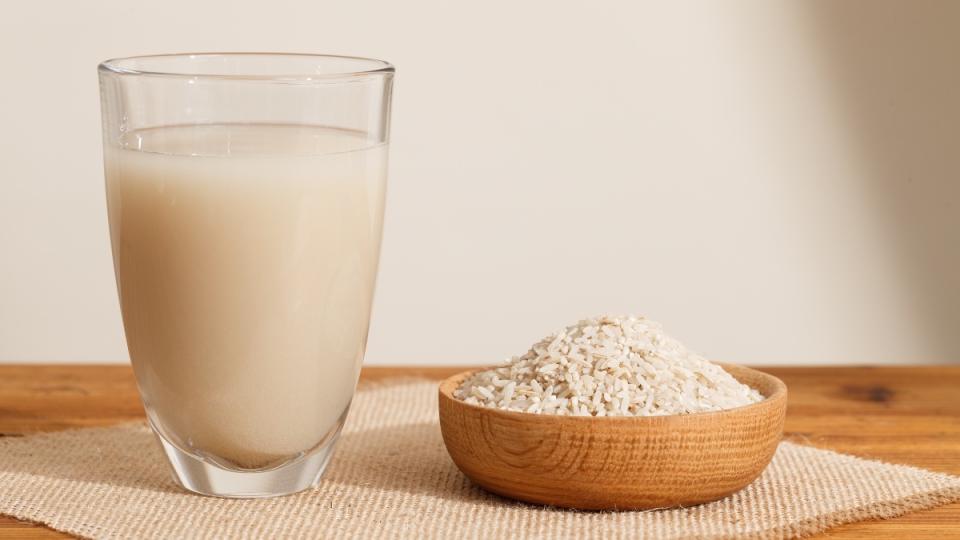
[611,463]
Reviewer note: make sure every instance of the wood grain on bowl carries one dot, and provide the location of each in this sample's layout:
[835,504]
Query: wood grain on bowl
[615,462]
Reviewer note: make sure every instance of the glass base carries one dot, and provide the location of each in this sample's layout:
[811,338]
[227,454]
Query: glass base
[205,477]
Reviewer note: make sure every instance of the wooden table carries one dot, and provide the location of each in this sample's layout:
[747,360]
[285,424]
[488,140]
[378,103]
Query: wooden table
[905,415]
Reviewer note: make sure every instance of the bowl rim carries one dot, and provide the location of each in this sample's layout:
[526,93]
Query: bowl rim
[775,399]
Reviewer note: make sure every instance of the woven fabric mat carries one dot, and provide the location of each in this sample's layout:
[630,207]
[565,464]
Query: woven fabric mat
[392,477]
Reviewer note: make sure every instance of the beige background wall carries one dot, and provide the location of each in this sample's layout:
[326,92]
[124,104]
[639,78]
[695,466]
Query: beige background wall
[778,182]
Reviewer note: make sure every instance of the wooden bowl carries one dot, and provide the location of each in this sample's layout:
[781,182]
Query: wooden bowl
[611,463]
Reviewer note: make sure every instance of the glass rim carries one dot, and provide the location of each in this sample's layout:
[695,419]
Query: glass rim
[366,67]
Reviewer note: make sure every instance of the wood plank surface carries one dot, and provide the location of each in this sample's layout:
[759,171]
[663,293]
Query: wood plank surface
[907,415]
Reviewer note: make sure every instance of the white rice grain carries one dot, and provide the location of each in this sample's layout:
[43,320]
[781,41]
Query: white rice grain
[608,366]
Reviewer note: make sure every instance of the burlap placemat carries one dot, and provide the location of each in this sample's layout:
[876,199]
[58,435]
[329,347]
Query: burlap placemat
[391,477]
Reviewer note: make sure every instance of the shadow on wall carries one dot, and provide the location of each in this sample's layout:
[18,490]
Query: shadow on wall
[896,81]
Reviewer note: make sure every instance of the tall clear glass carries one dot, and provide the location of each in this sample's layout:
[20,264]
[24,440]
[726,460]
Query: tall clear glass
[245,196]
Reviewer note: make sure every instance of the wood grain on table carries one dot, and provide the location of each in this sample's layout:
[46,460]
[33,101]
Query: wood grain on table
[908,415]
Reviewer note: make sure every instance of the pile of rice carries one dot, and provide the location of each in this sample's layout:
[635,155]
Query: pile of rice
[608,366]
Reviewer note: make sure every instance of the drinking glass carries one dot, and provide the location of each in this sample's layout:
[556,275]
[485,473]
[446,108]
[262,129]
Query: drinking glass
[245,194]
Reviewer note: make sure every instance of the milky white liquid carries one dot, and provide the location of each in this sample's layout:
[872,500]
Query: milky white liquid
[245,258]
